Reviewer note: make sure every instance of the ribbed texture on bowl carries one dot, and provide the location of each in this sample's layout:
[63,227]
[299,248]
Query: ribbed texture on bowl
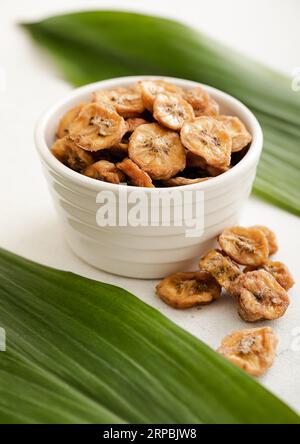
[143,252]
[147,251]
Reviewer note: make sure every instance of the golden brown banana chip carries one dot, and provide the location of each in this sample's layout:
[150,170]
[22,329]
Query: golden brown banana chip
[97,126]
[277,269]
[63,127]
[221,267]
[179,181]
[194,161]
[151,88]
[198,98]
[259,296]
[271,238]
[172,111]
[252,350]
[207,138]
[157,151]
[212,108]
[246,246]
[106,171]
[134,122]
[185,290]
[237,131]
[136,176]
[213,171]
[127,101]
[71,155]
[154,147]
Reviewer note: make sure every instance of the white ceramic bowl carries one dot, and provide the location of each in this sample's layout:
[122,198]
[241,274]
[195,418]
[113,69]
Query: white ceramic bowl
[145,251]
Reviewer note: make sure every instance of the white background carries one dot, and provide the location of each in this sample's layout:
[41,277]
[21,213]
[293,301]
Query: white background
[266,29]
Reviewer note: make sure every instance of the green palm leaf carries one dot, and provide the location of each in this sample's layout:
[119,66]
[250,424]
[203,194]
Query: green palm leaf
[79,351]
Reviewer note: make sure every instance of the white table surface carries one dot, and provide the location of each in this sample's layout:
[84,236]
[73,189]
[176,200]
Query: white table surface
[28,224]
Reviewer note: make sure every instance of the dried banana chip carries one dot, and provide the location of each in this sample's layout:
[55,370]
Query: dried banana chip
[157,151]
[106,171]
[97,127]
[67,119]
[172,110]
[136,176]
[277,269]
[100,125]
[246,246]
[134,122]
[259,296]
[198,98]
[71,155]
[237,130]
[221,267]
[252,350]
[126,101]
[151,88]
[207,138]
[179,181]
[212,108]
[185,290]
[214,172]
[202,103]
[271,238]
[194,161]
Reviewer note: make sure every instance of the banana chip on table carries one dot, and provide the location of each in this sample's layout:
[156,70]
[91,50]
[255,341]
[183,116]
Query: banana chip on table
[157,151]
[221,267]
[252,350]
[67,152]
[207,138]
[246,246]
[189,289]
[97,126]
[259,296]
[277,269]
[271,238]
[106,171]
[136,176]
[172,111]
